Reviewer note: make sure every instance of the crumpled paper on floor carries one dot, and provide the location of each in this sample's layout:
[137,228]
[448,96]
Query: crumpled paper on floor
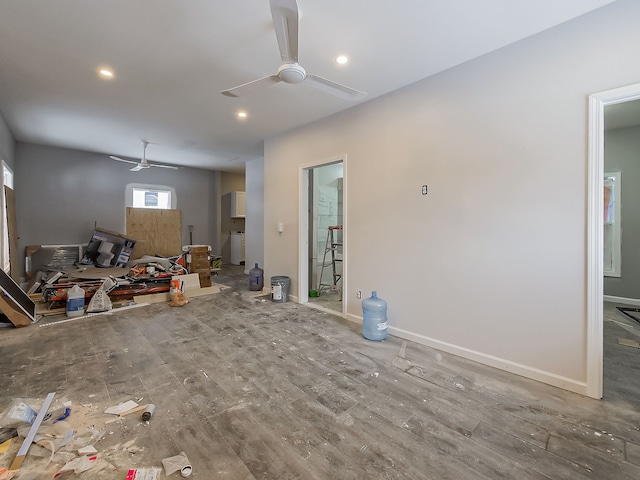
[175,463]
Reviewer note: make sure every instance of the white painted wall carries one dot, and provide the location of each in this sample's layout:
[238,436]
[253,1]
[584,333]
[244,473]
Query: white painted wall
[491,264]
[215,212]
[254,178]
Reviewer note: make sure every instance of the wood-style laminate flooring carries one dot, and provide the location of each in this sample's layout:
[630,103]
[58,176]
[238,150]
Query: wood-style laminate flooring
[251,389]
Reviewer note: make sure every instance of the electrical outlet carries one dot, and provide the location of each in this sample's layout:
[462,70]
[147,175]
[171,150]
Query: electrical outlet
[424,189]
[359,294]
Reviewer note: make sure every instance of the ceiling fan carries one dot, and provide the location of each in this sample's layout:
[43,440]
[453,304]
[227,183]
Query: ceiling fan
[142,163]
[285,23]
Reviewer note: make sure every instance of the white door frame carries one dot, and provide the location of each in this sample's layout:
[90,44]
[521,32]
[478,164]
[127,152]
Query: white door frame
[595,229]
[303,230]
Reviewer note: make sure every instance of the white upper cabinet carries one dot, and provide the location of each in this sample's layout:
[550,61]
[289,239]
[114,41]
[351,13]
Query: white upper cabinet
[238,204]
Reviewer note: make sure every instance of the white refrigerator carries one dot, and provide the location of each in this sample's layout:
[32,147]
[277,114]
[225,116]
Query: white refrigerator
[237,248]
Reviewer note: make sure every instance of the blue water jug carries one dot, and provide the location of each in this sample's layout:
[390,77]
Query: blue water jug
[256,279]
[374,326]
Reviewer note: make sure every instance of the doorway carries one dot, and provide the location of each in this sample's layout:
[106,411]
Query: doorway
[322,236]
[595,231]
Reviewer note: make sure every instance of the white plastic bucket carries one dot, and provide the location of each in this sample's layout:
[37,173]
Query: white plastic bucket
[75,301]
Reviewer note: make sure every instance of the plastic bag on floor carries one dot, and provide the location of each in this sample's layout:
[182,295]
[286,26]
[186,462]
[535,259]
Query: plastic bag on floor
[179,300]
[23,411]
[78,465]
[152,473]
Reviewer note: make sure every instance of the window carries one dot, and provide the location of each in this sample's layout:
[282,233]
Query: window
[7,176]
[612,225]
[150,196]
[143,198]
[7,179]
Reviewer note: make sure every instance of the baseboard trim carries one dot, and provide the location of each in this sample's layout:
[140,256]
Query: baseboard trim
[323,309]
[626,301]
[549,378]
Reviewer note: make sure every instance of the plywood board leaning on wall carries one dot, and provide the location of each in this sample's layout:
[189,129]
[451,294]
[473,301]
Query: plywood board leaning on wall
[17,306]
[157,232]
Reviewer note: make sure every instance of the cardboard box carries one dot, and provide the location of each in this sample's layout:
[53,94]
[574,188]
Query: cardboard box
[205,278]
[197,257]
[108,249]
[196,248]
[198,262]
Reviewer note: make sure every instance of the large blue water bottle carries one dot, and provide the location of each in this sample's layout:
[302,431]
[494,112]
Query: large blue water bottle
[374,326]
[256,279]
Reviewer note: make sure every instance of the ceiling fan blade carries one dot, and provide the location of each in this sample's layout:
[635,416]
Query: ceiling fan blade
[334,88]
[122,160]
[250,87]
[137,168]
[163,166]
[285,23]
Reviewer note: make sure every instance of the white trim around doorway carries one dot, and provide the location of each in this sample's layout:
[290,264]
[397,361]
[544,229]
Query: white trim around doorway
[303,229]
[595,211]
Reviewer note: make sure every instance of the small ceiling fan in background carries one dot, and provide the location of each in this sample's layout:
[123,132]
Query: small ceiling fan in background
[143,162]
[285,23]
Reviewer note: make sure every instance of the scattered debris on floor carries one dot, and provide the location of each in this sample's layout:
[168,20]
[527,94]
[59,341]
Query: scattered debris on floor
[148,412]
[630,312]
[627,342]
[78,465]
[125,307]
[121,408]
[178,463]
[152,473]
[59,438]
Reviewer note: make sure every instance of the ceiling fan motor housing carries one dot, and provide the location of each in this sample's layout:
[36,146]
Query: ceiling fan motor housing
[286,16]
[291,73]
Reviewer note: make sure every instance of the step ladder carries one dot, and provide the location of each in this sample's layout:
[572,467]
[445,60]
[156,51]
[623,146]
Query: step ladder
[332,258]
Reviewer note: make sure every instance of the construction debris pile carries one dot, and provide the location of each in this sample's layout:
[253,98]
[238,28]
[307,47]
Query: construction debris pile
[142,276]
[103,275]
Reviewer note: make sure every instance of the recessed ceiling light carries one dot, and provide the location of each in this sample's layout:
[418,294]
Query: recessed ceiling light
[105,72]
[242,115]
[342,59]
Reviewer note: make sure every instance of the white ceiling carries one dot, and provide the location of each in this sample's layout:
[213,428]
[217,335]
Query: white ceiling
[172,58]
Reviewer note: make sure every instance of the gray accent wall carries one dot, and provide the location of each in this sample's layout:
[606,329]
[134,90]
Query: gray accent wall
[622,154]
[7,144]
[63,194]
